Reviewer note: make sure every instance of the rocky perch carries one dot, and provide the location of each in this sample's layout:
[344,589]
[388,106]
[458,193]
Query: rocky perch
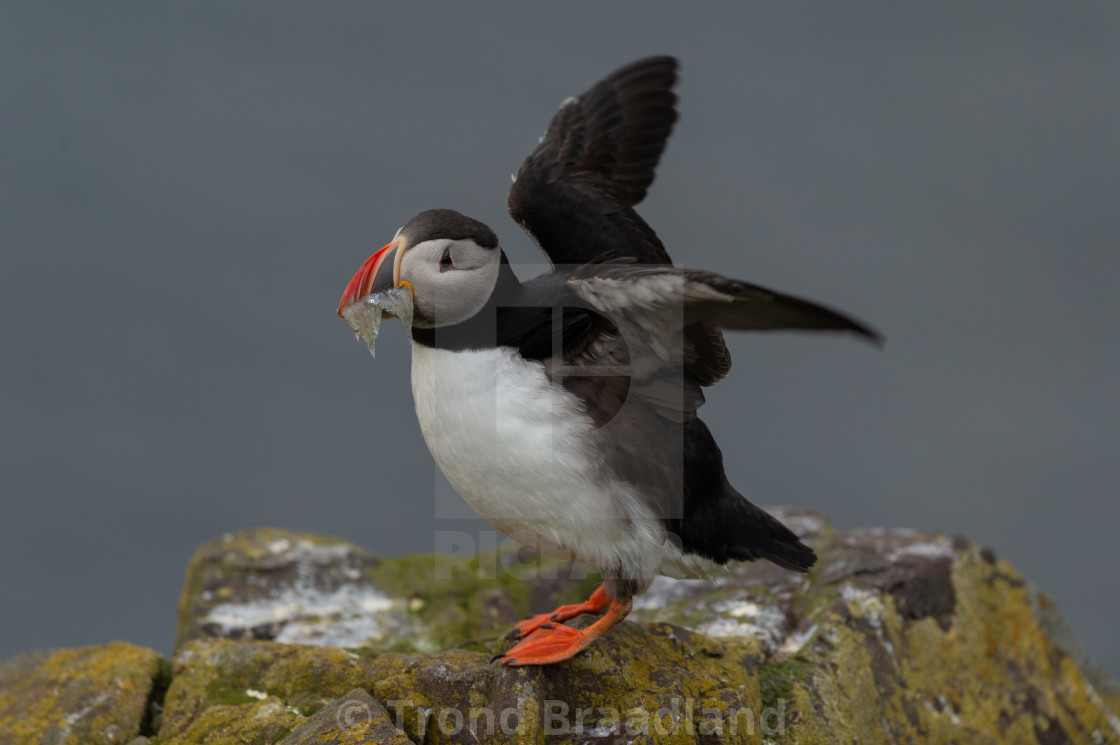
[895,636]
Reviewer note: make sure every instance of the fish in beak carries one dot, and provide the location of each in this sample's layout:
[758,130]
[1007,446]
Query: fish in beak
[376,293]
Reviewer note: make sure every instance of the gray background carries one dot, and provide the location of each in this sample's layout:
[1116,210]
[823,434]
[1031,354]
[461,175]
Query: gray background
[185,191]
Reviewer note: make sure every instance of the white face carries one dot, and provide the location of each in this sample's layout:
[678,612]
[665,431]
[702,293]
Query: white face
[451,280]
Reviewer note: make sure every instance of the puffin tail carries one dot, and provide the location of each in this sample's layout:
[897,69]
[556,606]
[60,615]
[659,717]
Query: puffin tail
[727,527]
[795,556]
[763,536]
[784,548]
[731,528]
[720,523]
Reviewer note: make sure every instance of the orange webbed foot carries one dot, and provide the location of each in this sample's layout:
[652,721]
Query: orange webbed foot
[594,604]
[556,642]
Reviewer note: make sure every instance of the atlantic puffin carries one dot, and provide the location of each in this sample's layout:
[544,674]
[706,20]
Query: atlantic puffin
[564,408]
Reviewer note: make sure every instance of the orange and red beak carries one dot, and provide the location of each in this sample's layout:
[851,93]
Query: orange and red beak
[381,271]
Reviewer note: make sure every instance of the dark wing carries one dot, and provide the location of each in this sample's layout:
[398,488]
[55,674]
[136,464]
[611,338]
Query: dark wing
[575,194]
[668,316]
[647,340]
[664,325]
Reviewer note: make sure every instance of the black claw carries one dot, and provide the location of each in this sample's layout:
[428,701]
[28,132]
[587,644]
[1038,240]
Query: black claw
[547,626]
[514,634]
[509,662]
[554,617]
[496,657]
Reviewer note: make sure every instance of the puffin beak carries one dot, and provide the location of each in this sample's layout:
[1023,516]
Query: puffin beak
[381,271]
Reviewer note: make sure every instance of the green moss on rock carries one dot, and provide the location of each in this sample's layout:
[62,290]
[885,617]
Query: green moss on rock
[258,723]
[230,674]
[470,602]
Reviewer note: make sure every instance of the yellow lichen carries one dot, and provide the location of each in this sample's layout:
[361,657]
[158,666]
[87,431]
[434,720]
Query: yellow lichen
[96,695]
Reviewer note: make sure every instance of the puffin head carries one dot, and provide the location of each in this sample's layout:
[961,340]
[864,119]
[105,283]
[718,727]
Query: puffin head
[448,262]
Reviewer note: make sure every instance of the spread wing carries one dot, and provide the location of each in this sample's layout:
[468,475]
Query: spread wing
[638,345]
[575,194]
[668,317]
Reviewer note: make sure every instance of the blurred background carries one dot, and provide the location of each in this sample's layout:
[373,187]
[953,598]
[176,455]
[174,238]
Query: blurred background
[186,189]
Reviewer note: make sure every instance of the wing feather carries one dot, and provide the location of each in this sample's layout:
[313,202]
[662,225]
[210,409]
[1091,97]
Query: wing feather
[669,316]
[576,192]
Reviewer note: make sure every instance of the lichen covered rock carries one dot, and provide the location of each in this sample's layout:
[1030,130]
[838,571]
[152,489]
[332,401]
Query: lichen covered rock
[895,636]
[289,587]
[91,695]
[276,585]
[254,691]
[352,719]
[655,678]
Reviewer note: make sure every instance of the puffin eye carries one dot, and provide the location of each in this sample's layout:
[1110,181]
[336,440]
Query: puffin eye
[445,262]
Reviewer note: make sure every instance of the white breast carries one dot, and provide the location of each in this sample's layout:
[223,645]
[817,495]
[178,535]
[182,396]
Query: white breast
[523,455]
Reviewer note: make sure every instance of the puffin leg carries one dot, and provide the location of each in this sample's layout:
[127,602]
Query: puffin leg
[558,642]
[594,604]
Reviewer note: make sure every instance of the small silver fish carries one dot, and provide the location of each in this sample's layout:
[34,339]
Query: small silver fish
[366,315]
